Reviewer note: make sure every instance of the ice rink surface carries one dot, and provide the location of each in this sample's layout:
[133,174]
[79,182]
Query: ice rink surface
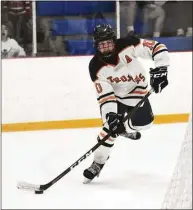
[136,175]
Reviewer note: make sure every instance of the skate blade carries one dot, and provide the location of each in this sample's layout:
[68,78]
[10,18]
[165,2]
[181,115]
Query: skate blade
[86,181]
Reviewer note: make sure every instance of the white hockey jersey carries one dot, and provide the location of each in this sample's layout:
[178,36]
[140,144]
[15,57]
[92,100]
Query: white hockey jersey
[123,78]
[10,48]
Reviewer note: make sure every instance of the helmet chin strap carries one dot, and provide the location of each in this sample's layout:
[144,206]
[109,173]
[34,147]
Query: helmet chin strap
[107,55]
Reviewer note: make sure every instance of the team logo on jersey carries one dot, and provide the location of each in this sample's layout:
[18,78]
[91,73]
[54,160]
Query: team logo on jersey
[128,78]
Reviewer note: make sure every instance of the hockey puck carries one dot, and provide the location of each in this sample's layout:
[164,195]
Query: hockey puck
[39,192]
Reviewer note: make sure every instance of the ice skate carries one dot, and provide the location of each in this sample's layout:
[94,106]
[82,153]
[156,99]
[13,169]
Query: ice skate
[91,172]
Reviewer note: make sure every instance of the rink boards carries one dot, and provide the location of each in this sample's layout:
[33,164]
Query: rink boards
[57,93]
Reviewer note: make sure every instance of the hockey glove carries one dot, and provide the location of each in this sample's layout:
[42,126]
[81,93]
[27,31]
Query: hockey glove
[115,124]
[158,78]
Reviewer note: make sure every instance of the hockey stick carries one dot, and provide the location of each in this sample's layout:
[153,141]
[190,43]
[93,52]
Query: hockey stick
[39,189]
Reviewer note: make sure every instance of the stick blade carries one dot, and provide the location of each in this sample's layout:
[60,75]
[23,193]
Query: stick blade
[27,186]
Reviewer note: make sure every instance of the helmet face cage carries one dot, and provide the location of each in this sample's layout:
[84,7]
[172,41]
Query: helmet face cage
[103,32]
[106,48]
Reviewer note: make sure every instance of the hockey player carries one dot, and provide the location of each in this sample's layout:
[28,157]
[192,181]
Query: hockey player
[121,82]
[9,47]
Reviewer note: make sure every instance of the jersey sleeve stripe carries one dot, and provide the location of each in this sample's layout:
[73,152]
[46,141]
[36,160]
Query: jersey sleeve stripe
[138,87]
[139,92]
[105,95]
[156,45]
[130,97]
[158,48]
[107,102]
[107,99]
[159,52]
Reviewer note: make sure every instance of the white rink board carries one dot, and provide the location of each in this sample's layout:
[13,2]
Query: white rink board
[59,88]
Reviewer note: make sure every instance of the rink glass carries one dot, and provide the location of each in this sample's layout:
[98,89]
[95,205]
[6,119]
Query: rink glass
[64,28]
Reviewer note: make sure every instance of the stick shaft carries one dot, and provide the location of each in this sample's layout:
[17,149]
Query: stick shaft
[46,186]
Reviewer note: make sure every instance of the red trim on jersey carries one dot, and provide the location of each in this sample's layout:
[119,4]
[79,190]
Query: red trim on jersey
[107,99]
[139,92]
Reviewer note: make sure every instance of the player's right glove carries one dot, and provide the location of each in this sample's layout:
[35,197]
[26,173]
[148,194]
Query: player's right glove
[115,124]
[158,78]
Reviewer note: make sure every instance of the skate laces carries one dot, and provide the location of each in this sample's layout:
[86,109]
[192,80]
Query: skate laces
[94,168]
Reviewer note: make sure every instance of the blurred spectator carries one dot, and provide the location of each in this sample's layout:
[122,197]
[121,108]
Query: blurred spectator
[64,29]
[183,23]
[9,47]
[5,20]
[18,13]
[40,35]
[152,10]
[128,10]
[127,16]
[51,45]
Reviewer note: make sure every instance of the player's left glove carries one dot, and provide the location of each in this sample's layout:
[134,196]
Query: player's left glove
[115,123]
[158,78]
